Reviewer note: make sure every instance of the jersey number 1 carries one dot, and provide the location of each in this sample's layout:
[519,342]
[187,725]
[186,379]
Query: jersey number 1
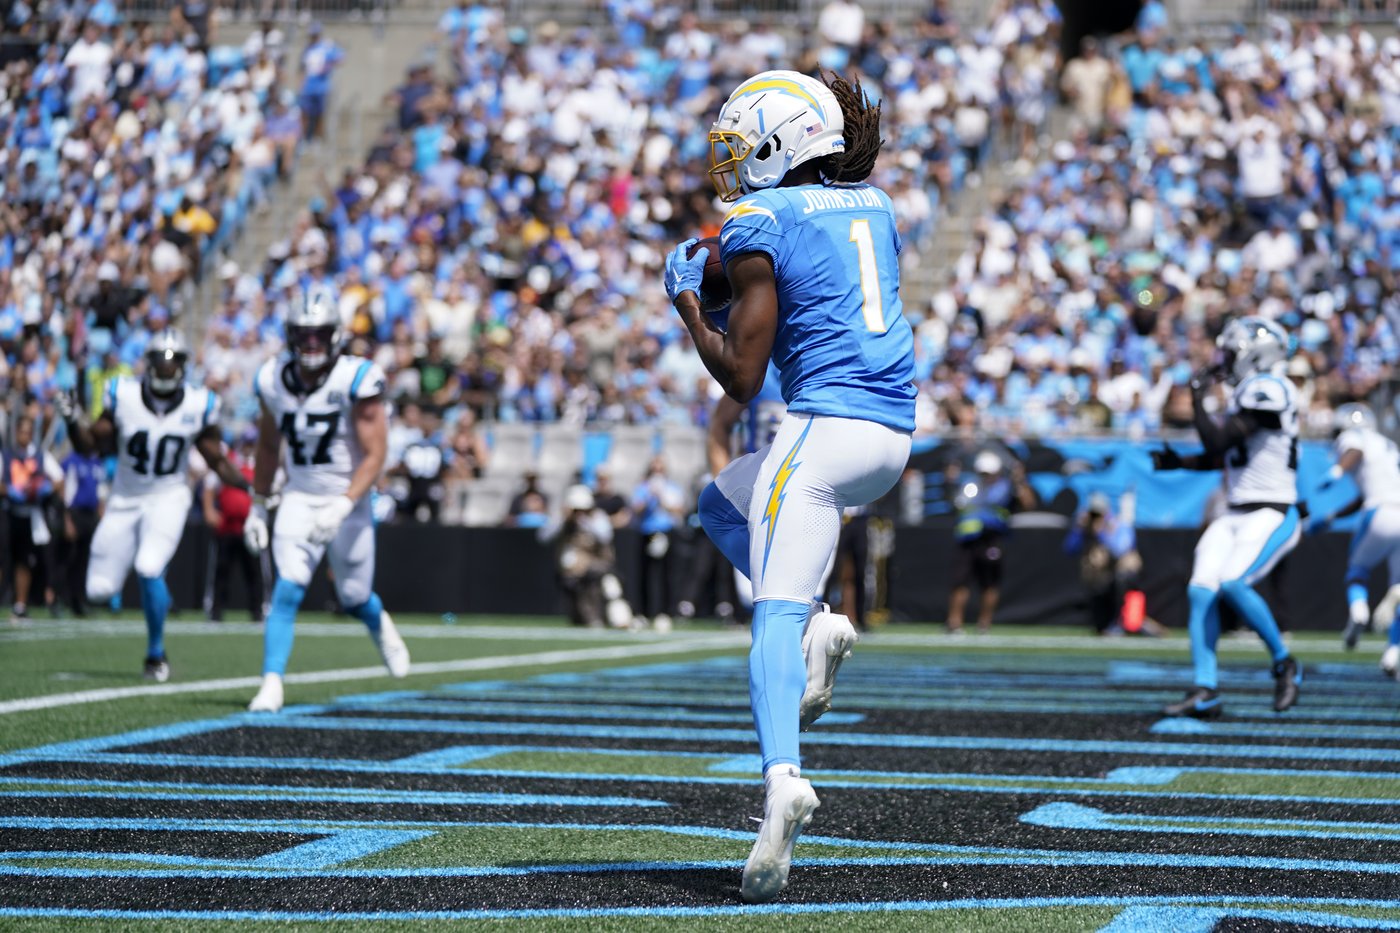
[872,306]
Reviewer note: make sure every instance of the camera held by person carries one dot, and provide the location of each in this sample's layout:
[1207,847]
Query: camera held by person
[587,565]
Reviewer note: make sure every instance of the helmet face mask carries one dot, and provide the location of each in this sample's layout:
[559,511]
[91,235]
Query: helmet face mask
[1251,345]
[1353,416]
[772,123]
[727,150]
[166,359]
[313,347]
[314,331]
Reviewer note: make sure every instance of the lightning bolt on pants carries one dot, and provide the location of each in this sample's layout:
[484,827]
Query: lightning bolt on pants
[816,467]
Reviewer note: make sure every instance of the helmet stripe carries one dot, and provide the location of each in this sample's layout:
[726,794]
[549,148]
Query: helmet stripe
[784,86]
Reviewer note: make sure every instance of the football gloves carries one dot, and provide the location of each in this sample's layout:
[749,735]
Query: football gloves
[1166,459]
[329,518]
[255,533]
[685,273]
[1203,378]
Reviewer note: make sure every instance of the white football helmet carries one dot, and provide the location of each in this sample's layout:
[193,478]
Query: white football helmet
[1250,345]
[314,328]
[772,123]
[1351,416]
[166,357]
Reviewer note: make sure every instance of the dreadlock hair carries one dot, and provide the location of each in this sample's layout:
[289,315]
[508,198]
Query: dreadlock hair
[862,132]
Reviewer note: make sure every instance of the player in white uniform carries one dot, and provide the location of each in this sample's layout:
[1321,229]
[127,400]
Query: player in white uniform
[329,411]
[1373,461]
[150,424]
[1257,445]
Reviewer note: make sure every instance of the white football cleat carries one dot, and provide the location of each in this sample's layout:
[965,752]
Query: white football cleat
[787,810]
[1358,621]
[825,644]
[391,646]
[1384,613]
[1390,661]
[269,698]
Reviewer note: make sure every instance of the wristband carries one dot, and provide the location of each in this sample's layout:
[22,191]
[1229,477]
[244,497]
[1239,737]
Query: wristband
[1335,473]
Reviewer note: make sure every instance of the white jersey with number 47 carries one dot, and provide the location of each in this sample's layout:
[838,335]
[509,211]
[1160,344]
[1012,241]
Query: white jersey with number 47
[1378,474]
[320,450]
[154,442]
[1264,467]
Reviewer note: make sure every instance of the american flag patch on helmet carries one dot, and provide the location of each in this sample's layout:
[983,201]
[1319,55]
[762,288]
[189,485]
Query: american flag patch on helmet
[814,129]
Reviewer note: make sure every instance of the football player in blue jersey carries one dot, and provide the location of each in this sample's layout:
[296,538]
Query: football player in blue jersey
[811,252]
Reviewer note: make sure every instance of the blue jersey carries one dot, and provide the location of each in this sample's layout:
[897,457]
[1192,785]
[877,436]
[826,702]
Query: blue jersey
[843,348]
[764,413]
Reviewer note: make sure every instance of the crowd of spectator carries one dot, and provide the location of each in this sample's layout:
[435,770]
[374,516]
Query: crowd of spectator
[1200,181]
[131,155]
[499,252]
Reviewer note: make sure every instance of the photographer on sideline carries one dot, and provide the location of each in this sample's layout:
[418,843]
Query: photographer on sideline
[586,564]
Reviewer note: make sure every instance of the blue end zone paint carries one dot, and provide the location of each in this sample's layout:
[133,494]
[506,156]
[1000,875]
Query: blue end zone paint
[864,740]
[1205,919]
[937,854]
[735,910]
[1291,730]
[336,846]
[640,711]
[716,687]
[1064,815]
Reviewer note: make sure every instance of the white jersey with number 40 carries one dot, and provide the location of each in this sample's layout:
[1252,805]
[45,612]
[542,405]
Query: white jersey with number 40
[1378,475]
[1264,468]
[153,446]
[320,450]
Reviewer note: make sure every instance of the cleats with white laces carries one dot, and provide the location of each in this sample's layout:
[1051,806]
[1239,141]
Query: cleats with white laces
[157,669]
[787,810]
[827,642]
[391,646]
[1390,661]
[269,698]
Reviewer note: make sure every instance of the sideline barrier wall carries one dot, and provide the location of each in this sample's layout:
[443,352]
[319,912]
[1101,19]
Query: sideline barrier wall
[507,571]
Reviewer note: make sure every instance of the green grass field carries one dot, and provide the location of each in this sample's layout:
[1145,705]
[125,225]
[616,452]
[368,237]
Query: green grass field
[532,776]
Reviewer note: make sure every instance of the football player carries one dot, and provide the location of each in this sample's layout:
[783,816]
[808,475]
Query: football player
[1373,461]
[1256,444]
[811,251]
[325,411]
[150,424]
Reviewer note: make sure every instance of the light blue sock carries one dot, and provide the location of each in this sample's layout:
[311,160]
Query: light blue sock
[277,630]
[1205,633]
[1357,593]
[1256,614]
[777,677]
[726,527]
[1395,630]
[368,612]
[155,602]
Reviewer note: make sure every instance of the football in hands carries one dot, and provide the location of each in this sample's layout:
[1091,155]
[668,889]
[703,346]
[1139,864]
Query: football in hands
[715,293]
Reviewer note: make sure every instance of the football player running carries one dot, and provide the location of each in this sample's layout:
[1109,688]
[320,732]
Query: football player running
[1373,461]
[1256,443]
[326,410]
[150,424]
[811,251]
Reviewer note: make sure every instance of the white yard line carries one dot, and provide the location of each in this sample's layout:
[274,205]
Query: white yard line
[108,628]
[501,662]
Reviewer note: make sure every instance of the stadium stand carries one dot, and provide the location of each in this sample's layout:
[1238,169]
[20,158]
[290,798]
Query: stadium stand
[133,155]
[514,213]
[1200,180]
